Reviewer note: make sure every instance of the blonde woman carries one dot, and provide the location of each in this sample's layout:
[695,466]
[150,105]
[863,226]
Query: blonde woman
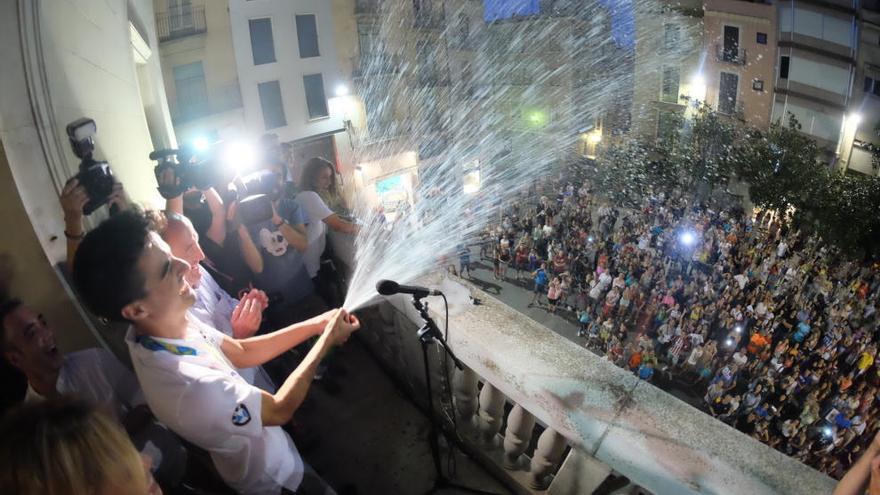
[65,447]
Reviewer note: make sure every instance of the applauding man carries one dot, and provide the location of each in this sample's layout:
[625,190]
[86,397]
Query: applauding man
[188,370]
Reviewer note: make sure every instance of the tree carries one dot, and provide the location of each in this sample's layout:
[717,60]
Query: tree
[781,166]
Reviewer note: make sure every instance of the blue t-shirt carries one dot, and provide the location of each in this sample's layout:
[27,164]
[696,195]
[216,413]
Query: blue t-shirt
[802,330]
[541,277]
[645,372]
[284,271]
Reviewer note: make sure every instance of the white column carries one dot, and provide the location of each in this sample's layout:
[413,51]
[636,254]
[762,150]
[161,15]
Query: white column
[520,424]
[548,454]
[489,419]
[464,389]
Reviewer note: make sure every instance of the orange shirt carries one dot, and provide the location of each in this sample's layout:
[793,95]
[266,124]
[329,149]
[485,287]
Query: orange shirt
[756,343]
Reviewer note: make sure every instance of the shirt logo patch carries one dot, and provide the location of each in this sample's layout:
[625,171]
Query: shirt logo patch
[241,416]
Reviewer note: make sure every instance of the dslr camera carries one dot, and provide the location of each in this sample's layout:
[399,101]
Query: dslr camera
[95,176]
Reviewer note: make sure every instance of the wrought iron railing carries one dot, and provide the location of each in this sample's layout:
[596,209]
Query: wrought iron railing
[185,22]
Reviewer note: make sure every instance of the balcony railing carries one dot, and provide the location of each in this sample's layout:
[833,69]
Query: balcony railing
[187,22]
[546,414]
[730,54]
[196,106]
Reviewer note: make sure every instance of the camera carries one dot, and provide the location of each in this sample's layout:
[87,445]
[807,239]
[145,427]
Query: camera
[260,189]
[255,209]
[191,168]
[95,176]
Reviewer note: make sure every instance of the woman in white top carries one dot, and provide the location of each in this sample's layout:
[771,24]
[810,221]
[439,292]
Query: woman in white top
[319,179]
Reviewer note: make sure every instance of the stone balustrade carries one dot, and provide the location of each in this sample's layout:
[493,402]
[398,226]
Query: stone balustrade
[547,416]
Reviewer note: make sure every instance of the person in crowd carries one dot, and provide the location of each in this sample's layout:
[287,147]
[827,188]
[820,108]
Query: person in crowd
[67,447]
[319,176]
[319,184]
[541,280]
[124,271]
[73,199]
[213,306]
[784,323]
[94,375]
[464,259]
[281,271]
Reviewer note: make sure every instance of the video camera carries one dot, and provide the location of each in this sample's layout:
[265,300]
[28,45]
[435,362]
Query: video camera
[192,168]
[95,176]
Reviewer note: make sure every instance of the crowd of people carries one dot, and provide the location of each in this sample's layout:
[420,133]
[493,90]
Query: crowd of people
[228,324]
[772,328]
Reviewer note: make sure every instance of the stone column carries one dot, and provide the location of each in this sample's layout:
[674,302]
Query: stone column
[548,454]
[489,419]
[464,389]
[520,424]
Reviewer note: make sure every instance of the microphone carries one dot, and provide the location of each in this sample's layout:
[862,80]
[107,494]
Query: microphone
[390,287]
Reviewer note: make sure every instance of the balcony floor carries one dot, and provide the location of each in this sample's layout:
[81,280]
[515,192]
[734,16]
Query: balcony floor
[372,437]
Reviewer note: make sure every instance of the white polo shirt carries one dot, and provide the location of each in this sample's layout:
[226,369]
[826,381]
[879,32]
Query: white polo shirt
[193,389]
[214,307]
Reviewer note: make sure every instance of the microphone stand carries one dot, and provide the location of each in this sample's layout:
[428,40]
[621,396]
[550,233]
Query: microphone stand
[429,334]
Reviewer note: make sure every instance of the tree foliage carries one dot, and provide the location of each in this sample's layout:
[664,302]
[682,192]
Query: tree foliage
[785,169]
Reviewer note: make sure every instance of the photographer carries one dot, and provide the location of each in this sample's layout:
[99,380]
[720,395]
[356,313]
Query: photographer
[73,198]
[91,188]
[125,272]
[276,224]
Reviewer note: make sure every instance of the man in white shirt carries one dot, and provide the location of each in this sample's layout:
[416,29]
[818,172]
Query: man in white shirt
[188,371]
[213,306]
[93,375]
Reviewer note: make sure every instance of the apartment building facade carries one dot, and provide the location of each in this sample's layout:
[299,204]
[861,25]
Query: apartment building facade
[199,69]
[817,45]
[668,63]
[740,55]
[288,73]
[857,155]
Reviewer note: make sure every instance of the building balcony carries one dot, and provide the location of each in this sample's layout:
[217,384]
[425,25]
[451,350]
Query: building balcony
[730,55]
[367,7]
[192,107]
[542,413]
[176,25]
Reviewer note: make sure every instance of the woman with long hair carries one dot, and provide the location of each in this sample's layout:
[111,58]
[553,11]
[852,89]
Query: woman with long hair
[65,447]
[319,182]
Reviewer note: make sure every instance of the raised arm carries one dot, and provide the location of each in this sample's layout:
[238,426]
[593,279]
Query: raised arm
[254,351]
[278,409]
[855,481]
[217,230]
[246,246]
[340,225]
[73,199]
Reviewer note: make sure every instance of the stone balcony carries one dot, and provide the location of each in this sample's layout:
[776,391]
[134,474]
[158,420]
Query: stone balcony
[546,416]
